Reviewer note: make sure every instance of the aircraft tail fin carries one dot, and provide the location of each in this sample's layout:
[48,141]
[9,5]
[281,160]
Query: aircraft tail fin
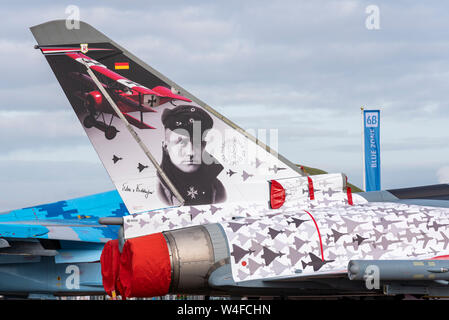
[160,145]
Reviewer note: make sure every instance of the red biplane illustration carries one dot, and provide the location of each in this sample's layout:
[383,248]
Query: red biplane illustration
[128,95]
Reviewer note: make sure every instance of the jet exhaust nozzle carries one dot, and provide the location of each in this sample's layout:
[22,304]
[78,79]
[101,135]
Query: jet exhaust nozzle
[171,261]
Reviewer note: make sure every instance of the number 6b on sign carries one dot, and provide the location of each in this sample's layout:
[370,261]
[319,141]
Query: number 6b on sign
[371,119]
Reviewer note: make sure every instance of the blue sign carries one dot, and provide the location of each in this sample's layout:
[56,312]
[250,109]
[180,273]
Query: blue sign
[371,126]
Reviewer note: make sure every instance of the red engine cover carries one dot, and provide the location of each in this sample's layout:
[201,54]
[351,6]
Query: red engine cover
[110,266]
[145,268]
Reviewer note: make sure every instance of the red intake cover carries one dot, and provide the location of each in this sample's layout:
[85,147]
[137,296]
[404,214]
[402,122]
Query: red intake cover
[277,195]
[110,265]
[145,269]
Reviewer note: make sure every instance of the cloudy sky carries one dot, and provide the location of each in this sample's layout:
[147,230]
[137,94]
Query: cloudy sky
[302,67]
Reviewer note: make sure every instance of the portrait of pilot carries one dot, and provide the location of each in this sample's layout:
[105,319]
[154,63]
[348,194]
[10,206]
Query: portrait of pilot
[183,158]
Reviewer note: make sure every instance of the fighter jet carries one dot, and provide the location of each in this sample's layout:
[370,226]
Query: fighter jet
[183,223]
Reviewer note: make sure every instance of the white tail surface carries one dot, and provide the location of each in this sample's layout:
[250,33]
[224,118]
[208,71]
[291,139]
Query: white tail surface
[155,139]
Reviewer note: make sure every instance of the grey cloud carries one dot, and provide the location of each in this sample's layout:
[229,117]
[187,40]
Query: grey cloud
[34,130]
[42,96]
[32,182]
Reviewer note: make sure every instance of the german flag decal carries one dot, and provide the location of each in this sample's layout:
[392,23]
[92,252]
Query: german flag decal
[121,65]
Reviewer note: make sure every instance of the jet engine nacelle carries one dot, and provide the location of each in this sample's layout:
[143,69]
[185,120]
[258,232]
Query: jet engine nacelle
[172,261]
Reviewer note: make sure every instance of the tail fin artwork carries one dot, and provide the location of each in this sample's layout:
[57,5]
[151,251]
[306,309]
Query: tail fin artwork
[161,146]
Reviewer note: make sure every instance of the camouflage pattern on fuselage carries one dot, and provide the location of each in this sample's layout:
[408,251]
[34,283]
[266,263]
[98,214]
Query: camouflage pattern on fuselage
[74,219]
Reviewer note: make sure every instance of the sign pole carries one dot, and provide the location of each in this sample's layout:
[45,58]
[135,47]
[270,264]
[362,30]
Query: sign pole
[363,150]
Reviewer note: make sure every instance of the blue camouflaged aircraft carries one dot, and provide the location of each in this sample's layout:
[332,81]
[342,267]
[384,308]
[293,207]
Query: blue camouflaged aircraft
[54,249]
